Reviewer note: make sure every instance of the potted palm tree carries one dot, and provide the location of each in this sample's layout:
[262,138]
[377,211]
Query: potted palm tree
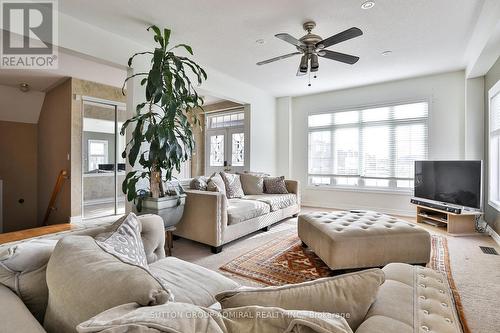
[163,123]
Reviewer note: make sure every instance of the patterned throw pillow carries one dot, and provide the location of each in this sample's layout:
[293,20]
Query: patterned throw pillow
[216,184]
[233,185]
[199,183]
[124,242]
[275,185]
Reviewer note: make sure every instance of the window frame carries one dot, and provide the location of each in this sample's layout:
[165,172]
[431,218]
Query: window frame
[106,149]
[392,188]
[492,93]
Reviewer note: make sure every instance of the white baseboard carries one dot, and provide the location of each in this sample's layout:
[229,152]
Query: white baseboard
[75,219]
[349,207]
[493,235]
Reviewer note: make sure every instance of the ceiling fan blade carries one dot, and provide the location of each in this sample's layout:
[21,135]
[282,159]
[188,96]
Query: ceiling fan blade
[340,37]
[277,58]
[290,39]
[337,56]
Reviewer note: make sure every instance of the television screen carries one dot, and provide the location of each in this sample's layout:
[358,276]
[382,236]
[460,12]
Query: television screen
[454,182]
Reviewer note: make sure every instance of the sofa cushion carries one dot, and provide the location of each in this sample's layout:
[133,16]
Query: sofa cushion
[251,183]
[83,280]
[191,283]
[22,270]
[216,184]
[233,185]
[240,210]
[275,201]
[15,316]
[188,318]
[275,185]
[349,295]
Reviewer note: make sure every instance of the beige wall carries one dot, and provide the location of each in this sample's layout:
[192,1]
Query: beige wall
[90,89]
[492,216]
[54,133]
[18,171]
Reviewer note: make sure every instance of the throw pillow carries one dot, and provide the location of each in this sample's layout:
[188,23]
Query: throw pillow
[22,270]
[233,185]
[216,184]
[252,184]
[349,295]
[275,185]
[199,183]
[184,317]
[84,280]
[123,241]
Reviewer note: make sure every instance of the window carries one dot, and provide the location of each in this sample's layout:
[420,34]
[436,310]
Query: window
[98,153]
[368,147]
[494,146]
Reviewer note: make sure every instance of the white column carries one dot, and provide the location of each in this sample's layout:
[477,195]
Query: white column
[283,133]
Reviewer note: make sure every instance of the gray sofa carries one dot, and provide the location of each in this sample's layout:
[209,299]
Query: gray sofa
[19,316]
[210,218]
[412,299]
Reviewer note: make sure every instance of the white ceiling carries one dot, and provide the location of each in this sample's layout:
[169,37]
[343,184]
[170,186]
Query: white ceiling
[426,36]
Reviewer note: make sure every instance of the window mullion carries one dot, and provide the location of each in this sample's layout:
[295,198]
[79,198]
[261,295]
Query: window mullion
[361,172]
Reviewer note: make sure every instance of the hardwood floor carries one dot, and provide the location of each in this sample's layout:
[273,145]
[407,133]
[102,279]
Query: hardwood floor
[29,233]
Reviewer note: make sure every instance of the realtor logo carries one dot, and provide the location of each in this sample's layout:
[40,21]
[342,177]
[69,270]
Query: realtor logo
[29,33]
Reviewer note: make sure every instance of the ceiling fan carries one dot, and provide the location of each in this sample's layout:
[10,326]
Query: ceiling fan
[312,46]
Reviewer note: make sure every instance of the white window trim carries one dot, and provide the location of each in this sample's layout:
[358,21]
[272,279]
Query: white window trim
[357,188]
[494,91]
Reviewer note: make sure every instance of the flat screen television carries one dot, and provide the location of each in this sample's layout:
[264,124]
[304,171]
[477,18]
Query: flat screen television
[452,182]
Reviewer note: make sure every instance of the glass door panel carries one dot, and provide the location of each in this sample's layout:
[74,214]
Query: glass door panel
[100,146]
[236,150]
[216,149]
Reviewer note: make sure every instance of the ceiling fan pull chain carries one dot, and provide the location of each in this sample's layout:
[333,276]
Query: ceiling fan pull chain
[309,80]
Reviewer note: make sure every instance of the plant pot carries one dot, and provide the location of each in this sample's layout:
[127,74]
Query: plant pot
[170,208]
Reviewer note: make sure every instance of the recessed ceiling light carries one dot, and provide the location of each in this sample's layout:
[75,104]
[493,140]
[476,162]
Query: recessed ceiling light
[386,53]
[260,41]
[368,5]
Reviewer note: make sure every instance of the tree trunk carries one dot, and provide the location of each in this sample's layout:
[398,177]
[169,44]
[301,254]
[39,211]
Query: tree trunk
[155,184]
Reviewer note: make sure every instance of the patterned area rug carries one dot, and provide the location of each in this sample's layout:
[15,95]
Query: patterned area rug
[284,261]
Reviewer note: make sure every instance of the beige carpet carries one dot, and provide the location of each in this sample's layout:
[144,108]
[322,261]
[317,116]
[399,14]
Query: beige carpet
[476,275]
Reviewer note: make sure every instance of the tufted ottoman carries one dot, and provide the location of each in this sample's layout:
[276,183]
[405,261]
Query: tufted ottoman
[358,239]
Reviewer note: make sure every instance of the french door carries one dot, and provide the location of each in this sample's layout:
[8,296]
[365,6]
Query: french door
[225,146]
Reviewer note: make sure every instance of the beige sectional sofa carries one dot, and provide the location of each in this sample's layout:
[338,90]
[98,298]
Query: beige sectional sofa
[410,298]
[210,218]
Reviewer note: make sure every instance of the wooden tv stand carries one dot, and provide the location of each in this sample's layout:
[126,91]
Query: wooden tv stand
[456,224]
